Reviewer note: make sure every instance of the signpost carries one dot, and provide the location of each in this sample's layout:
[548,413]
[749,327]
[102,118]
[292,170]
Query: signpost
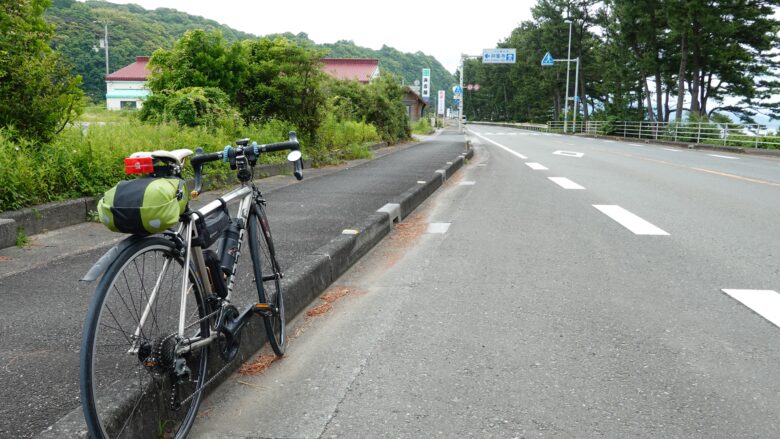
[549,61]
[489,56]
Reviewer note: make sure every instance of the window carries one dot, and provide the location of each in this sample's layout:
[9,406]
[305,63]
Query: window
[128,105]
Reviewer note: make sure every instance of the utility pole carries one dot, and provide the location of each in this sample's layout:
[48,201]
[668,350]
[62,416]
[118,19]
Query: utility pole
[463,58]
[105,41]
[566,102]
[460,101]
[576,96]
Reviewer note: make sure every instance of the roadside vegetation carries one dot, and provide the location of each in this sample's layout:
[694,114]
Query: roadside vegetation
[206,93]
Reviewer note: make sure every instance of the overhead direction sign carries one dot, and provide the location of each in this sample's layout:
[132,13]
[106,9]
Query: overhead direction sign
[548,60]
[499,56]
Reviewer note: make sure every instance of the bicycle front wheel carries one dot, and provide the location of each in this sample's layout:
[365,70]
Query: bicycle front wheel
[268,277]
[133,382]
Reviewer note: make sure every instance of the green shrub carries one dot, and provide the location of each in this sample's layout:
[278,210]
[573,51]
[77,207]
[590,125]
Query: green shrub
[422,126]
[192,106]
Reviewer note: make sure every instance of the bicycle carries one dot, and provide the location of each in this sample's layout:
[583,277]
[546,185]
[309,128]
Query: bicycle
[165,300]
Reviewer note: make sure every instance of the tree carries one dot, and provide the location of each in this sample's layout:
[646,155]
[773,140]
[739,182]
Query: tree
[199,59]
[283,81]
[38,95]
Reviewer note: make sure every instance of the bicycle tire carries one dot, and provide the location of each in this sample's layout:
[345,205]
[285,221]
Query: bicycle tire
[261,248]
[121,396]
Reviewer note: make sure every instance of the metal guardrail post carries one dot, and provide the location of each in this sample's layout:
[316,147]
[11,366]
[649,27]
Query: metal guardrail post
[698,134]
[624,129]
[640,129]
[758,132]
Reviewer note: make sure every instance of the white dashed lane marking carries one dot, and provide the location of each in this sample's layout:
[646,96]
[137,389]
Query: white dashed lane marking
[438,228]
[765,303]
[723,156]
[536,166]
[565,183]
[629,220]
[467,183]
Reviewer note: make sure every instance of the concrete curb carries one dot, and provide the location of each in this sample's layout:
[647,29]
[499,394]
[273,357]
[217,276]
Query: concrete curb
[7,232]
[303,283]
[49,216]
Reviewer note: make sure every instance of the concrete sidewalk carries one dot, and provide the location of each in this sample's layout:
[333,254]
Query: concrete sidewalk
[307,219]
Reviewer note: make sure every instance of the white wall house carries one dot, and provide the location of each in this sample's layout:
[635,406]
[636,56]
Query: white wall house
[126,88]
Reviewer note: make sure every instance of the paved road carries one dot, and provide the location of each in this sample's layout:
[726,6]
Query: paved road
[511,306]
[41,331]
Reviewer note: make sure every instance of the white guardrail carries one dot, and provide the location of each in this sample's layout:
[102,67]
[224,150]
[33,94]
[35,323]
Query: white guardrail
[719,134]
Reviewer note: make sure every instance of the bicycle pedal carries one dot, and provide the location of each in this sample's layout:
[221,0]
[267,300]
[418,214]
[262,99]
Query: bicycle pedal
[265,309]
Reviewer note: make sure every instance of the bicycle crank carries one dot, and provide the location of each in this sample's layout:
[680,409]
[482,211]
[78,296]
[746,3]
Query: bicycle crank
[230,328]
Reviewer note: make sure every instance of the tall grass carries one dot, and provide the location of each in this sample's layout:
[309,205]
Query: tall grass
[87,160]
[422,126]
[343,140]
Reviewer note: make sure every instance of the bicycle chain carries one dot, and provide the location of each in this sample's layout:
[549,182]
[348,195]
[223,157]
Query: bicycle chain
[206,384]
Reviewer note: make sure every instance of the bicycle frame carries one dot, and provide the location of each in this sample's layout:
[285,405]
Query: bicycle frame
[194,255]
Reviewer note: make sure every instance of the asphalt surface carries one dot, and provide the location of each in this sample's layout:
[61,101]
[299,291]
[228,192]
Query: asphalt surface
[39,339]
[532,313]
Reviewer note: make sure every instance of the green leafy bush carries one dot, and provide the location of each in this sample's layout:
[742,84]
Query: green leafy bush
[191,106]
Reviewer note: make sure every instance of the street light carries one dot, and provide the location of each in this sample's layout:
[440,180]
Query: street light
[566,102]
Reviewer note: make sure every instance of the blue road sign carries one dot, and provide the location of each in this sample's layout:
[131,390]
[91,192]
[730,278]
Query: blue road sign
[548,60]
[458,89]
[499,56]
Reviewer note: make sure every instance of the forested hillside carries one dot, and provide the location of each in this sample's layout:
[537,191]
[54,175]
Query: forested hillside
[134,31]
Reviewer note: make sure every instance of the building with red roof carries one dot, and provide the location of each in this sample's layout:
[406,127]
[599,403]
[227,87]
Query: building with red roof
[359,69]
[126,88]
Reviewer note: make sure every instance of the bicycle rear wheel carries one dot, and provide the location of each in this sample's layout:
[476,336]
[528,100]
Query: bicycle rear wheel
[132,382]
[268,277]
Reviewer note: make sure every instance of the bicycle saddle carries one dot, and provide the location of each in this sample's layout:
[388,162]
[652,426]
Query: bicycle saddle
[176,156]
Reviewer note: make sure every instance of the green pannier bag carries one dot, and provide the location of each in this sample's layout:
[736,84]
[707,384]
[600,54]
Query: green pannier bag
[143,206]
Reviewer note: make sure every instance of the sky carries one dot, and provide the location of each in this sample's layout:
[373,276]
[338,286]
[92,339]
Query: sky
[444,30]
